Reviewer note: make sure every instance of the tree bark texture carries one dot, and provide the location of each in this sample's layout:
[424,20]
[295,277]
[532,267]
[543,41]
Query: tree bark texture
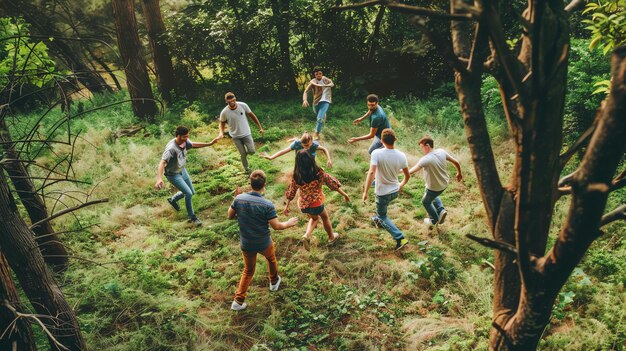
[19,246]
[287,79]
[20,336]
[134,64]
[160,52]
[50,245]
[41,24]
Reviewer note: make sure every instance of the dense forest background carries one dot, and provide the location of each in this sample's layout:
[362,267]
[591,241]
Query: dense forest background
[93,258]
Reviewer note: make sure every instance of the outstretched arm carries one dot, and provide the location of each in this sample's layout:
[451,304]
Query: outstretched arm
[305,102]
[358,120]
[364,137]
[407,176]
[254,118]
[277,225]
[457,165]
[329,162]
[231,213]
[415,168]
[199,145]
[278,154]
[159,176]
[368,181]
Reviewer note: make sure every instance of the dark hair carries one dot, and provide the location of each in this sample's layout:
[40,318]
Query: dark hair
[182,130]
[372,98]
[305,170]
[317,69]
[428,141]
[257,179]
[388,136]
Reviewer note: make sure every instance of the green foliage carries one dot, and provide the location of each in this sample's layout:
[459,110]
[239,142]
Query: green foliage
[434,267]
[607,24]
[22,60]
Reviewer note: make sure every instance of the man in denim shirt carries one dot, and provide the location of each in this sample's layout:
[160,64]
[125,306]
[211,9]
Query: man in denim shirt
[255,215]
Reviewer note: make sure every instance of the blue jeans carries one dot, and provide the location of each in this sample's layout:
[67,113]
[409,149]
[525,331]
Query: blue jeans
[376,144]
[433,204]
[382,202]
[183,183]
[320,109]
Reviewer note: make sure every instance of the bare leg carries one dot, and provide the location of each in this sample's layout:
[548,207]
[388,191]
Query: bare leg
[311,226]
[328,227]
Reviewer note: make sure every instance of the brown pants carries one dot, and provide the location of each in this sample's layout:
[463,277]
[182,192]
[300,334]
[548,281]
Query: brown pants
[249,265]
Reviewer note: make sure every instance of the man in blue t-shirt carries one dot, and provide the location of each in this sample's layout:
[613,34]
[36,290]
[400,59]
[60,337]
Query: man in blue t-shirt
[255,215]
[378,122]
[305,142]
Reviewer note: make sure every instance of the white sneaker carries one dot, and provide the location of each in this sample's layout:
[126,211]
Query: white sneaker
[428,222]
[235,306]
[442,216]
[274,287]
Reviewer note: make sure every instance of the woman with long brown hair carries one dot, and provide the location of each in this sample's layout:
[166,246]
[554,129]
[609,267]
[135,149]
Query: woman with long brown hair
[309,178]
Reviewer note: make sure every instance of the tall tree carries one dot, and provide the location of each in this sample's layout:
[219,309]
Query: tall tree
[15,335]
[532,79]
[160,52]
[134,64]
[286,80]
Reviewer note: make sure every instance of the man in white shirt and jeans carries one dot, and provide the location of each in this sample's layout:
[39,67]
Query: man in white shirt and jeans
[236,114]
[385,164]
[437,178]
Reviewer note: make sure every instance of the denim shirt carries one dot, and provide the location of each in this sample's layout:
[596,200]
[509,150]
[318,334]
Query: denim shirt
[253,214]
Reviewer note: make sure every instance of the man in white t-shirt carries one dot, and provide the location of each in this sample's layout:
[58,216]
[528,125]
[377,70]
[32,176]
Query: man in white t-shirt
[322,97]
[437,178]
[385,164]
[236,114]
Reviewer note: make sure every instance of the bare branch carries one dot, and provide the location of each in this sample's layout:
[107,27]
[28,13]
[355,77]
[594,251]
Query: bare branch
[615,215]
[68,210]
[413,10]
[619,181]
[36,318]
[575,5]
[494,244]
[582,140]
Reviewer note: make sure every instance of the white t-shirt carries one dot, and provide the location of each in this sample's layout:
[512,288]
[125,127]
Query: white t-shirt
[237,120]
[388,162]
[325,91]
[435,170]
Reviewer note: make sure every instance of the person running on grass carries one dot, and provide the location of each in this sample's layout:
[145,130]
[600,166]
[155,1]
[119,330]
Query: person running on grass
[309,178]
[385,164]
[378,121]
[322,98]
[255,215]
[173,164]
[305,142]
[236,114]
[437,179]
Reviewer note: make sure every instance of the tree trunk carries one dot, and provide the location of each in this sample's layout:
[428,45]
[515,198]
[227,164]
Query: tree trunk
[49,243]
[19,246]
[286,80]
[41,24]
[160,52]
[20,336]
[134,64]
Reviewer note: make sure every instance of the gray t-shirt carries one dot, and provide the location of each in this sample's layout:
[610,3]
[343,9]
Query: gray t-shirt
[237,120]
[253,214]
[435,170]
[175,156]
[388,162]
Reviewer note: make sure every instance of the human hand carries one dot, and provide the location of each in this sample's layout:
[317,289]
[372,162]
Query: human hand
[261,131]
[347,198]
[265,156]
[305,103]
[357,121]
[459,177]
[364,198]
[292,221]
[159,184]
[352,140]
[329,164]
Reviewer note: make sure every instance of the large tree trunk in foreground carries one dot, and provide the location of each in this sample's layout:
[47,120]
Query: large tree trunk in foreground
[20,336]
[134,64]
[49,243]
[19,246]
[160,52]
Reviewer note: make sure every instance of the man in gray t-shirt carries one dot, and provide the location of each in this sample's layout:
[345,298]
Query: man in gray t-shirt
[437,178]
[385,164]
[173,163]
[236,114]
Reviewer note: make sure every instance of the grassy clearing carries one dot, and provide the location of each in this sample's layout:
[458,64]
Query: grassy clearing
[163,285]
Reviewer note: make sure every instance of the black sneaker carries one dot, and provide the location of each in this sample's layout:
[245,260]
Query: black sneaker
[442,216]
[377,222]
[174,204]
[401,243]
[195,221]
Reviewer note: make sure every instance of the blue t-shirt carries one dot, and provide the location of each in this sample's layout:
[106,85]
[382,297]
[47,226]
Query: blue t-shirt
[297,145]
[253,214]
[378,119]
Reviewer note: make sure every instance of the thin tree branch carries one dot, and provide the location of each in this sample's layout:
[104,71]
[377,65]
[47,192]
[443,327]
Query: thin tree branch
[575,5]
[68,210]
[35,317]
[619,181]
[615,215]
[498,245]
[582,140]
[413,10]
